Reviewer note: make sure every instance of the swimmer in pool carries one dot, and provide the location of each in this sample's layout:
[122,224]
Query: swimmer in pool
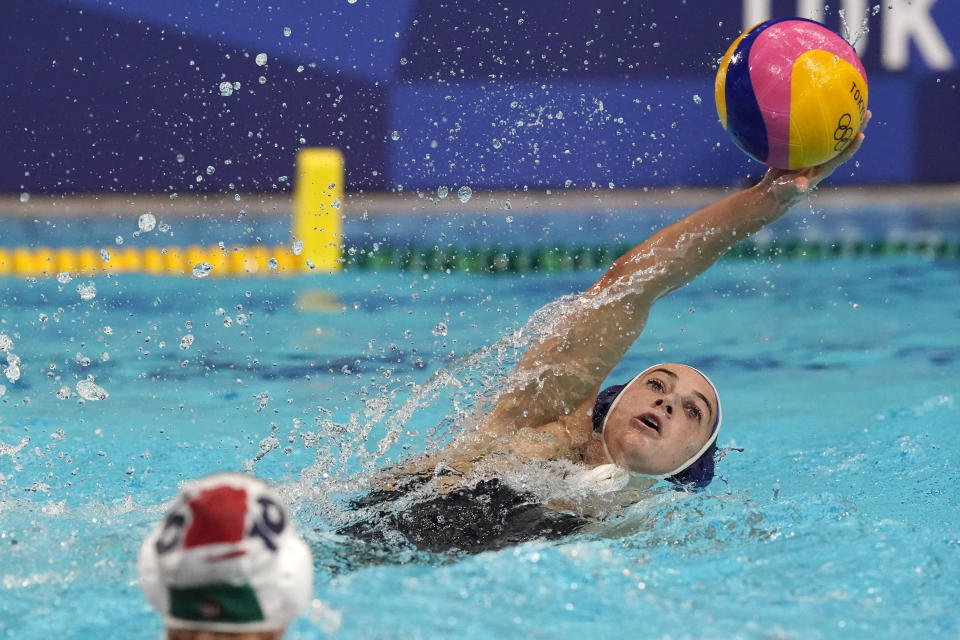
[225,563]
[661,424]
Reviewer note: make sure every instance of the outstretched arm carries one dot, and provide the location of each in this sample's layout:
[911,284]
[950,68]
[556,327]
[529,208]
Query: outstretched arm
[561,372]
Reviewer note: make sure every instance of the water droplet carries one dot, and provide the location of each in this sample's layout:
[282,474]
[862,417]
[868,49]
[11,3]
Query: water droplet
[336,204]
[202,269]
[5,342]
[180,158]
[104,255]
[87,291]
[90,390]
[395,136]
[697,99]
[24,197]
[63,277]
[300,68]
[351,1]
[261,59]
[186,341]
[226,89]
[118,240]
[272,264]
[496,143]
[262,80]
[464,193]
[12,370]
[147,222]
[567,183]
[297,247]
[440,329]
[442,192]
[287,31]
[404,61]
[211,170]
[64,393]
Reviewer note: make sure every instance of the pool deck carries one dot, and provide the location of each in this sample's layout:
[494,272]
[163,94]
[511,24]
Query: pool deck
[414,202]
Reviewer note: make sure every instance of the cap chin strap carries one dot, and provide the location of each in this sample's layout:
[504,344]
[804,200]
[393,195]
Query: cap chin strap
[692,459]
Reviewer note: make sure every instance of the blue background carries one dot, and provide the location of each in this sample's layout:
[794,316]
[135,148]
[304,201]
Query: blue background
[103,96]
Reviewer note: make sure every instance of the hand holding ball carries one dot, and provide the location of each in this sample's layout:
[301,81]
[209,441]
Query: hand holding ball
[791,93]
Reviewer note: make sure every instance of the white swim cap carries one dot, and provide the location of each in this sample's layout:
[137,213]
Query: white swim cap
[226,558]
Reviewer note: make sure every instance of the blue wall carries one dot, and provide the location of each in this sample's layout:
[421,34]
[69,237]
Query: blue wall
[106,95]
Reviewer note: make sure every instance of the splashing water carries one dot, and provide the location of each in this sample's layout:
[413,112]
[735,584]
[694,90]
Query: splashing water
[12,370]
[862,30]
[87,291]
[90,390]
[147,222]
[202,269]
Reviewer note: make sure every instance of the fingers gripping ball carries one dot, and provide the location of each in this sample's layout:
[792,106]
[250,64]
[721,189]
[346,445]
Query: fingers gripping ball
[791,93]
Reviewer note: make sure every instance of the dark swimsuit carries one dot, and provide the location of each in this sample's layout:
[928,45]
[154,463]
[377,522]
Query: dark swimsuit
[488,516]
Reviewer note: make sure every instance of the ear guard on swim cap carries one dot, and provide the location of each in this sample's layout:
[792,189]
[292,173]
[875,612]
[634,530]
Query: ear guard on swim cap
[226,558]
[699,469]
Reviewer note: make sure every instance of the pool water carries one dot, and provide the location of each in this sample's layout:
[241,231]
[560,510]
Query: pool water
[839,518]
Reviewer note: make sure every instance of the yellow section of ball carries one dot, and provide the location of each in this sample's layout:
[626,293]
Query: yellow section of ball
[828,101]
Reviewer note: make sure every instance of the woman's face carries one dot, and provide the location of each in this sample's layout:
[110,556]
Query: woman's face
[661,420]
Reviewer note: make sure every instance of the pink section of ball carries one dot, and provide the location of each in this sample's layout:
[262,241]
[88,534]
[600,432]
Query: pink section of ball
[771,61]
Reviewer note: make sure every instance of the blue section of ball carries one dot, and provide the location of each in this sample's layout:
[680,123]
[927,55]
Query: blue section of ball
[744,119]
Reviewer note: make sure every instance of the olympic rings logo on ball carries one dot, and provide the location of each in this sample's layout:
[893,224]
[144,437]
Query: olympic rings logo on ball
[843,133]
